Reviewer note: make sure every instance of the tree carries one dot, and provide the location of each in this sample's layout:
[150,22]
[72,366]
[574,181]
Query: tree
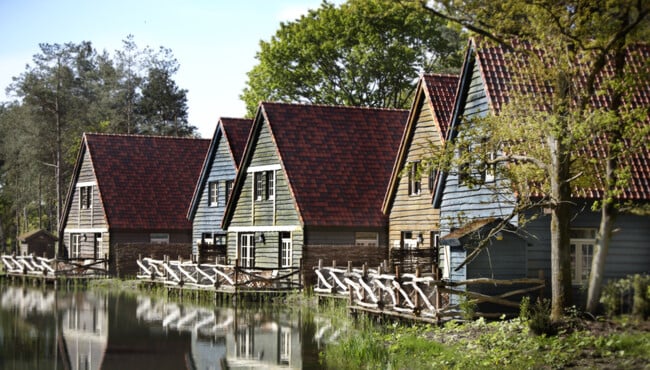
[363,53]
[163,106]
[571,45]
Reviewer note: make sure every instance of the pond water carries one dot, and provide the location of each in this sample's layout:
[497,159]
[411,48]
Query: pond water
[47,329]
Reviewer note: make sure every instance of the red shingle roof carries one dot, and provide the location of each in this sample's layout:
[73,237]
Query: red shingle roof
[498,77]
[146,182]
[441,91]
[338,160]
[236,132]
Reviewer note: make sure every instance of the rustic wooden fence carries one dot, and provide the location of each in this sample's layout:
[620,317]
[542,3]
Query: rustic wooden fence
[217,276]
[31,265]
[419,296]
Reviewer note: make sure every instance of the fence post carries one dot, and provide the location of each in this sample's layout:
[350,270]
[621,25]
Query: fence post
[349,267]
[300,272]
[417,295]
[398,280]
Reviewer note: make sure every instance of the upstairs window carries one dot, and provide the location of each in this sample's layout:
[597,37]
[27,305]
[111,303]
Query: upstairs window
[270,185]
[229,185]
[86,197]
[213,193]
[414,178]
[432,178]
[259,185]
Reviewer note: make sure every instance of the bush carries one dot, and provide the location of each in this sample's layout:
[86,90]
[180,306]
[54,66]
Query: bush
[540,318]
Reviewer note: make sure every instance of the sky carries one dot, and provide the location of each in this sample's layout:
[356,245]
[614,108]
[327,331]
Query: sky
[215,41]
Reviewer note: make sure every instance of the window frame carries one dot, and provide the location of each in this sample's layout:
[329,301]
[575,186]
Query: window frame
[213,193]
[269,177]
[258,186]
[246,260]
[414,179]
[75,245]
[286,249]
[581,261]
[86,197]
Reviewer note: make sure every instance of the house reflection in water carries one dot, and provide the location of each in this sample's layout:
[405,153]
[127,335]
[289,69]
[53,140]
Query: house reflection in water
[85,331]
[233,339]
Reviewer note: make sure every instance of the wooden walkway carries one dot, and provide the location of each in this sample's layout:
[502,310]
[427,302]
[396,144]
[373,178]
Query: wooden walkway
[52,269]
[418,296]
[217,277]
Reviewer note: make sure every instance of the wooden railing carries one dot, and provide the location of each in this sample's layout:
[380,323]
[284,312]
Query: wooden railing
[417,295]
[31,265]
[218,276]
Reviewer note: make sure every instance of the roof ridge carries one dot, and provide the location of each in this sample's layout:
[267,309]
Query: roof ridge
[143,136]
[334,106]
[441,75]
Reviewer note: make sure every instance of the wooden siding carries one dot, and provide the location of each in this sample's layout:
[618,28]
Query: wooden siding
[278,211]
[86,222]
[269,213]
[461,204]
[503,259]
[267,254]
[415,212]
[628,254]
[207,218]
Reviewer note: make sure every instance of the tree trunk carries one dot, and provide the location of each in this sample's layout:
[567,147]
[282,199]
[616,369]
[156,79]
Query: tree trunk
[608,215]
[560,218]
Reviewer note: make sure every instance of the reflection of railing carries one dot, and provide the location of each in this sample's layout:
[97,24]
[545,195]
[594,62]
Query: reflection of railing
[31,265]
[417,295]
[225,277]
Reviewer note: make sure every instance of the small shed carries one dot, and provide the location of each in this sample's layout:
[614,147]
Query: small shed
[40,242]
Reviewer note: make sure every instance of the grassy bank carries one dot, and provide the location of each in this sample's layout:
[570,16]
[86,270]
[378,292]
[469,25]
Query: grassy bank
[619,344]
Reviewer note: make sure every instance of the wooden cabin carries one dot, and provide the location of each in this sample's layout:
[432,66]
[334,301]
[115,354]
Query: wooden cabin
[311,185]
[39,242]
[469,213]
[412,223]
[130,189]
[214,187]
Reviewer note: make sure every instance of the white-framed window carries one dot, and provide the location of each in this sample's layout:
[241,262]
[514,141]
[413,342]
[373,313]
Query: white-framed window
[75,245]
[213,193]
[86,197]
[270,185]
[408,240]
[415,184]
[247,250]
[490,168]
[286,250]
[245,342]
[259,185]
[582,252]
[366,239]
[159,238]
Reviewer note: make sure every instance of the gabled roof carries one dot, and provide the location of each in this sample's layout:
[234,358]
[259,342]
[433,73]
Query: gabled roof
[235,132]
[337,160]
[498,76]
[438,91]
[145,182]
[38,233]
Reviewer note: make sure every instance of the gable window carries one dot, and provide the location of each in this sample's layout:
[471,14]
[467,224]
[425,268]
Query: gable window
[86,197]
[432,178]
[229,185]
[213,193]
[247,250]
[414,179]
[270,185]
[259,185]
[490,168]
[582,251]
[286,250]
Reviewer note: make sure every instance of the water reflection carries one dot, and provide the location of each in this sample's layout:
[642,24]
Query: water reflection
[43,329]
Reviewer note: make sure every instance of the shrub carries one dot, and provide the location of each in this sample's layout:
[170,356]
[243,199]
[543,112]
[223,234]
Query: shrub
[540,318]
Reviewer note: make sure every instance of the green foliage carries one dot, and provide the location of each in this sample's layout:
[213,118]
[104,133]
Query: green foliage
[361,53]
[615,293]
[467,308]
[540,318]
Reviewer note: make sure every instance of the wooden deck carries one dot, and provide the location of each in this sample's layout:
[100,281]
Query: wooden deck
[418,296]
[41,270]
[221,279]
